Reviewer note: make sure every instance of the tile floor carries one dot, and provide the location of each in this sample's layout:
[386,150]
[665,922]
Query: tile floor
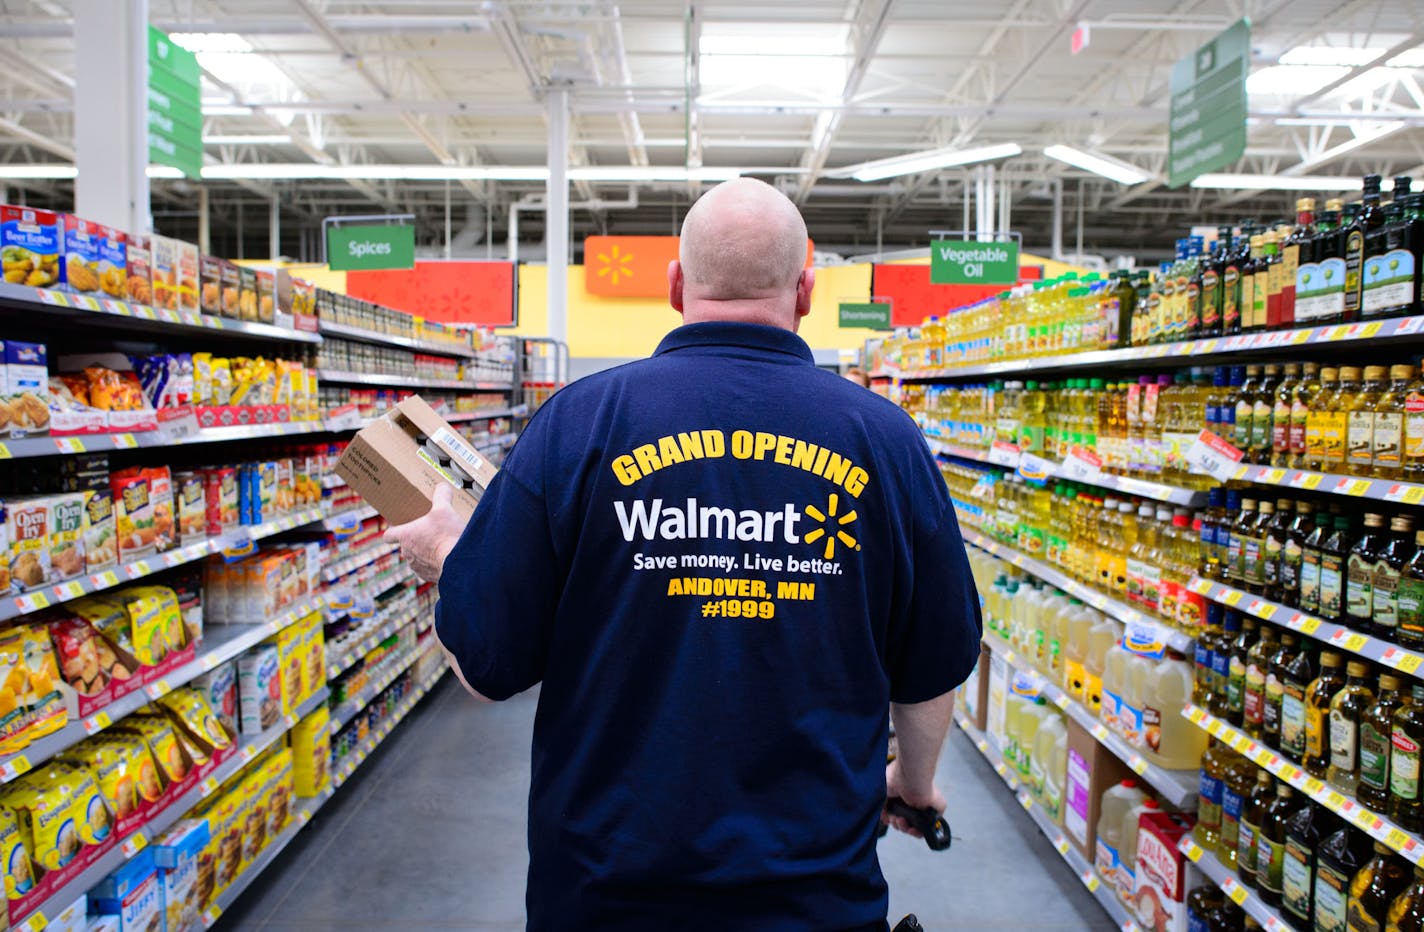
[429,836]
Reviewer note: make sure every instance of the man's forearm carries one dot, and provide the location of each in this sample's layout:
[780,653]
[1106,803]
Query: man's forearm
[920,730]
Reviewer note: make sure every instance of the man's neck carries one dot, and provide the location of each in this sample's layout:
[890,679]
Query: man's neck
[739,311]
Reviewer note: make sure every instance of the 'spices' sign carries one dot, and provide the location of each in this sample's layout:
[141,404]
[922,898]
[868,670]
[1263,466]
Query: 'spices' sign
[961,262]
[357,248]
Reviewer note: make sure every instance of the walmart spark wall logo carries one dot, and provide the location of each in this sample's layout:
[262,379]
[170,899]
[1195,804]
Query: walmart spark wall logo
[831,526]
[615,265]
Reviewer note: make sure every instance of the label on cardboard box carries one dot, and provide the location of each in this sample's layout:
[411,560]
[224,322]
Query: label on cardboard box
[1075,797]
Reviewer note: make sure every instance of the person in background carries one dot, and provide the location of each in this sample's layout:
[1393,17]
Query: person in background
[858,376]
[722,563]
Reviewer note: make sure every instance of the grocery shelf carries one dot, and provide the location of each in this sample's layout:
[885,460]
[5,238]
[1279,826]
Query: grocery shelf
[344,660]
[1178,787]
[1122,612]
[151,439]
[333,481]
[307,808]
[221,643]
[438,347]
[349,519]
[1225,878]
[347,710]
[1376,826]
[127,572]
[487,414]
[364,557]
[248,750]
[397,381]
[1103,892]
[126,315]
[358,757]
[1161,492]
[1381,490]
[1188,352]
[1337,636]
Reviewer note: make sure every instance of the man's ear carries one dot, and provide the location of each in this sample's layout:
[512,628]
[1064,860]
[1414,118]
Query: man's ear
[804,284]
[675,285]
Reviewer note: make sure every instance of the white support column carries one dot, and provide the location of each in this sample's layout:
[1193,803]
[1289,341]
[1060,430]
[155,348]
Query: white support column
[111,113]
[274,229]
[205,244]
[1057,247]
[556,224]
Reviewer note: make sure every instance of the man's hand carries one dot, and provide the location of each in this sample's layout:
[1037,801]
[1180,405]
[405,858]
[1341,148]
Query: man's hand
[918,797]
[426,542]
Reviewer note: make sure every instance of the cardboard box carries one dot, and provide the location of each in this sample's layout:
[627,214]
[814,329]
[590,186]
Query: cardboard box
[95,258]
[259,684]
[974,692]
[210,273]
[31,241]
[26,388]
[231,289]
[139,286]
[996,695]
[1092,769]
[133,894]
[176,854]
[396,462]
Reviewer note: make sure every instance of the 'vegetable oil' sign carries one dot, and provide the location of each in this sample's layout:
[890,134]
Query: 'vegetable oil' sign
[961,262]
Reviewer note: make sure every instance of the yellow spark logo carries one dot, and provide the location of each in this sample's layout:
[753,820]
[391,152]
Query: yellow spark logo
[831,530]
[615,264]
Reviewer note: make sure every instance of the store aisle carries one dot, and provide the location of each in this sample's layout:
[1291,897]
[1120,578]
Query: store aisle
[429,835]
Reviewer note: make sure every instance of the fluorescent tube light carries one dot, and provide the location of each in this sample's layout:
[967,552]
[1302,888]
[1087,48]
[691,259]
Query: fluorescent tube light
[275,171]
[1116,170]
[46,172]
[927,161]
[1283,182]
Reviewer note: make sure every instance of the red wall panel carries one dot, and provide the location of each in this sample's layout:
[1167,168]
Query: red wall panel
[459,291]
[913,298]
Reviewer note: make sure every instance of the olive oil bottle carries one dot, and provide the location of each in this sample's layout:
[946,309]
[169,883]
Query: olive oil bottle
[1220,702]
[1360,422]
[1406,802]
[1273,548]
[1406,913]
[1389,570]
[1388,443]
[1360,573]
[1319,420]
[1236,682]
[1276,687]
[1337,424]
[1374,887]
[1336,863]
[1213,782]
[1317,713]
[1271,847]
[1253,813]
[1258,663]
[1293,552]
[1238,781]
[1412,459]
[1299,674]
[1333,554]
[1347,710]
[1281,415]
[1376,733]
[1310,551]
[1410,597]
[1304,392]
[1307,827]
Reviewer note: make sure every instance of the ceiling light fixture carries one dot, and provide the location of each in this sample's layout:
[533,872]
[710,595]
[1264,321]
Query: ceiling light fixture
[1114,169]
[1282,182]
[917,162]
[274,171]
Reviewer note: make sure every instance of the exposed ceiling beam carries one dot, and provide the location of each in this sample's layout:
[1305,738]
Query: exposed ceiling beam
[867,29]
[1358,70]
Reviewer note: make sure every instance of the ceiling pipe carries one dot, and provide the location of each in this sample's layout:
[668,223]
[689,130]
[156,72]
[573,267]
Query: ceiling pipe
[535,202]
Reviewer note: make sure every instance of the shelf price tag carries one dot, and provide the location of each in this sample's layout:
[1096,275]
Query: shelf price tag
[159,690]
[1234,890]
[1355,487]
[57,298]
[1061,845]
[1036,468]
[177,425]
[35,923]
[1305,480]
[1191,849]
[97,722]
[136,843]
[1082,465]
[1004,454]
[1090,879]
[1411,325]
[15,766]
[1214,456]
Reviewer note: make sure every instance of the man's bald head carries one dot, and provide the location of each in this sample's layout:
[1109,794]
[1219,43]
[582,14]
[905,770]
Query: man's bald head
[742,256]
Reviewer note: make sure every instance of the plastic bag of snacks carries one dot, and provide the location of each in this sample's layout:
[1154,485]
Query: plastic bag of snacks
[115,771]
[14,856]
[46,819]
[168,751]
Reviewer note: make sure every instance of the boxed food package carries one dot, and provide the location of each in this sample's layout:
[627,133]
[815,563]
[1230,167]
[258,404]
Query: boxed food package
[314,651]
[176,853]
[231,289]
[188,588]
[133,514]
[1163,875]
[254,797]
[26,388]
[66,536]
[266,296]
[291,658]
[210,269]
[278,789]
[30,244]
[95,258]
[101,539]
[139,286]
[1092,769]
[29,533]
[311,753]
[188,272]
[219,687]
[108,383]
[133,894]
[73,918]
[396,462]
[103,924]
[160,493]
[247,293]
[164,260]
[190,500]
[259,684]
[221,499]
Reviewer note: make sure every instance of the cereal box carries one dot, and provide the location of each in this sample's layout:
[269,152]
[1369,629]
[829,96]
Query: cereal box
[139,287]
[66,536]
[210,271]
[188,272]
[164,260]
[259,683]
[29,525]
[311,753]
[95,258]
[219,687]
[30,244]
[133,893]
[231,289]
[291,657]
[26,388]
[176,853]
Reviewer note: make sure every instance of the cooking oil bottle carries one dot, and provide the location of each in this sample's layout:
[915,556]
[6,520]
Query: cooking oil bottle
[1304,392]
[1319,420]
[1388,443]
[1281,415]
[1360,429]
[1336,439]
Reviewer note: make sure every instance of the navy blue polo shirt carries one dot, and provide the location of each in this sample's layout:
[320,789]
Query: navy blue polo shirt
[722,563]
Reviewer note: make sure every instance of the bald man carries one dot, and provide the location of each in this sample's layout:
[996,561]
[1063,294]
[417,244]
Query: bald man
[722,563]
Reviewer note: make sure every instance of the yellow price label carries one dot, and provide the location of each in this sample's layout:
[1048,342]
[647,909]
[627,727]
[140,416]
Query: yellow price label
[1313,785]
[37,600]
[1061,845]
[35,923]
[1334,800]
[1299,337]
[1090,880]
[1236,892]
[17,765]
[211,916]
[1234,597]
[1272,476]
[1367,331]
[1355,641]
[125,441]
[1309,625]
[97,722]
[1138,764]
[1410,662]
[136,843]
[5,453]
[1192,850]
[161,688]
[109,578]
[1364,818]
[1395,838]
[145,312]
